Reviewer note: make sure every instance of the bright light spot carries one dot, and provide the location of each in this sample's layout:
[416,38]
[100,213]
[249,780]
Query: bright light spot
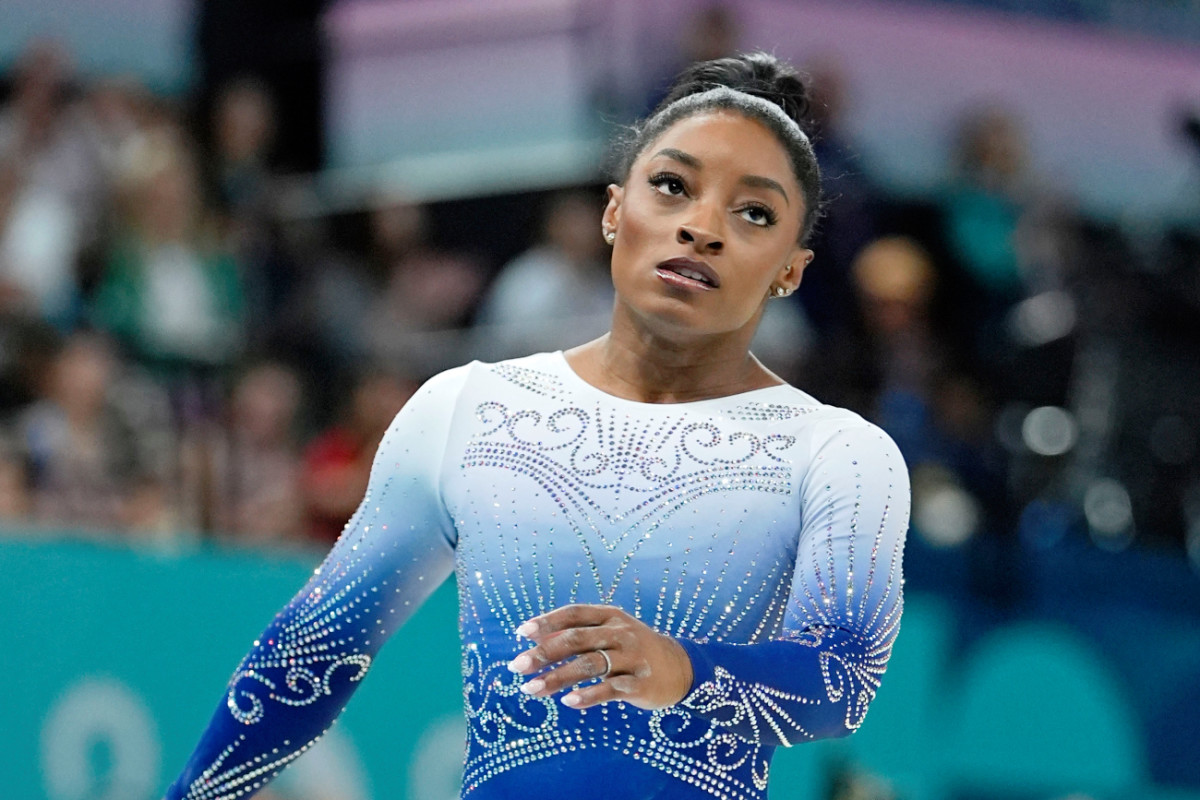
[1049,431]
[946,515]
[1042,319]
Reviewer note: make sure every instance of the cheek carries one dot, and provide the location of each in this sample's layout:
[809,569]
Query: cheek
[641,234]
[642,223]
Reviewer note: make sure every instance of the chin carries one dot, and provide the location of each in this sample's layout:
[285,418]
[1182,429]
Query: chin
[671,317]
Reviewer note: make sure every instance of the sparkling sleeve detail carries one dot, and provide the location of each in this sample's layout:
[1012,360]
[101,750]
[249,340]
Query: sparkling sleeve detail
[300,672]
[817,678]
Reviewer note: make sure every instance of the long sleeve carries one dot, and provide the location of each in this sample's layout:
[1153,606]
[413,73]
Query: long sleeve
[818,676]
[299,674]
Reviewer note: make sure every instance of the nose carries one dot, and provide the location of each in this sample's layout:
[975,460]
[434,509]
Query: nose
[702,232]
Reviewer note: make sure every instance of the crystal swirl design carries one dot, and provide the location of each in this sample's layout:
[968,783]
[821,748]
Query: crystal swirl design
[305,685]
[295,663]
[728,702]
[497,710]
[574,453]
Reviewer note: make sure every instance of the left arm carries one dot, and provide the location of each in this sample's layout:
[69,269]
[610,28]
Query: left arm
[814,680]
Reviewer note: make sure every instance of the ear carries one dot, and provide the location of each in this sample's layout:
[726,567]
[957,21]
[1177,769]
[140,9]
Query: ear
[611,219]
[791,272]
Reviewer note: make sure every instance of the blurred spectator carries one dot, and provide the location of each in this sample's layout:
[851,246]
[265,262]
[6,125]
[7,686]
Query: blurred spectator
[1010,237]
[337,463]
[254,466]
[167,290]
[243,133]
[896,354]
[895,366]
[985,202]
[321,327]
[86,466]
[899,372]
[116,113]
[245,189]
[557,294]
[50,184]
[849,216]
[424,288]
[712,32]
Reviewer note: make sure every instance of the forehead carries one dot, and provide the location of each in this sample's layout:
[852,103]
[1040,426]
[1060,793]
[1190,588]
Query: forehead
[727,140]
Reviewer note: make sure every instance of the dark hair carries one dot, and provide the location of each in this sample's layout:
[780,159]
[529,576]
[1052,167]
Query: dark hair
[756,85]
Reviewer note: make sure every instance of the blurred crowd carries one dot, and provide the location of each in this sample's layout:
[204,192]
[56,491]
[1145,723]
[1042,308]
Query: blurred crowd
[183,354]
[173,360]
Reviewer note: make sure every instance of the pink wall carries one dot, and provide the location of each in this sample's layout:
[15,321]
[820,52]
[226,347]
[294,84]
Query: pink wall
[1101,110]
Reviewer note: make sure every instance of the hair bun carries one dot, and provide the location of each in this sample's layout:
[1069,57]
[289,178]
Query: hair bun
[759,74]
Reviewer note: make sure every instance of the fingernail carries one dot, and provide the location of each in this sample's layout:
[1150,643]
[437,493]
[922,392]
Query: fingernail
[571,700]
[520,663]
[527,629]
[534,686]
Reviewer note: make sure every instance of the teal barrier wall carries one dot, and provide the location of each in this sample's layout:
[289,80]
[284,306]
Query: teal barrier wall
[115,659]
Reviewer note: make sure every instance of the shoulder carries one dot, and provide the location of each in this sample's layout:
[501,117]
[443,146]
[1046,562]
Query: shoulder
[526,372]
[823,425]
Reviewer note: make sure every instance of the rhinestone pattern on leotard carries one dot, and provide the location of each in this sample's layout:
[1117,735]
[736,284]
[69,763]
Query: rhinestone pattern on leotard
[764,531]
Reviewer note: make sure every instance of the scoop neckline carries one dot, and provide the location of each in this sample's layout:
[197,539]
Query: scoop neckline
[576,378]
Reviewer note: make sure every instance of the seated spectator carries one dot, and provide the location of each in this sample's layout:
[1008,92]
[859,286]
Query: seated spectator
[49,191]
[557,294]
[985,201]
[168,291]
[243,134]
[899,372]
[85,462]
[337,463]
[424,288]
[116,113]
[244,185]
[254,465]
[709,32]
[850,210]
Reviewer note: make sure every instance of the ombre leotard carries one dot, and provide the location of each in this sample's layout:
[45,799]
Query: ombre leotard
[763,530]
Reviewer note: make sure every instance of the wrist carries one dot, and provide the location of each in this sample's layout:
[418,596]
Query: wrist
[683,672]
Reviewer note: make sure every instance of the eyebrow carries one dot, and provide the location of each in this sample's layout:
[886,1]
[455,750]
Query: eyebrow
[755,181]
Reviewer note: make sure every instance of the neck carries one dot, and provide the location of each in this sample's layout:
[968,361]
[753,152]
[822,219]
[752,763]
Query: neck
[638,364]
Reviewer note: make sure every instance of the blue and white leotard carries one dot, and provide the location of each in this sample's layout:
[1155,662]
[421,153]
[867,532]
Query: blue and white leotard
[763,530]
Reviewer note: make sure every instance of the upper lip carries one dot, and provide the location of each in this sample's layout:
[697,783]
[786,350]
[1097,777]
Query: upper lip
[699,267]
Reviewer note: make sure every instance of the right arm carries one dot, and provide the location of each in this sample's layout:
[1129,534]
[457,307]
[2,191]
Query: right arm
[397,548]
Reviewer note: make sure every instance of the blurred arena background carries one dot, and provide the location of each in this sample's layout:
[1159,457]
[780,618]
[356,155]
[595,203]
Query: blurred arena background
[235,236]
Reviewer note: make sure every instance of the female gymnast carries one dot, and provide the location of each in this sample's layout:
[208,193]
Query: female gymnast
[669,561]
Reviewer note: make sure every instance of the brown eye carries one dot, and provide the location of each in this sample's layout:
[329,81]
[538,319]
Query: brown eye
[668,183]
[758,215]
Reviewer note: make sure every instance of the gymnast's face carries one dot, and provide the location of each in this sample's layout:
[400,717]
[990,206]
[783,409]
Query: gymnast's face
[706,225]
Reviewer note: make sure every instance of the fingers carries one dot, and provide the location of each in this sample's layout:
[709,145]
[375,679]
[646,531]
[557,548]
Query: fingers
[572,637]
[605,692]
[577,670]
[559,647]
[564,618]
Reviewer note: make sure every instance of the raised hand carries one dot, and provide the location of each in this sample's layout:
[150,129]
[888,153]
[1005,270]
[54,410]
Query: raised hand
[580,642]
